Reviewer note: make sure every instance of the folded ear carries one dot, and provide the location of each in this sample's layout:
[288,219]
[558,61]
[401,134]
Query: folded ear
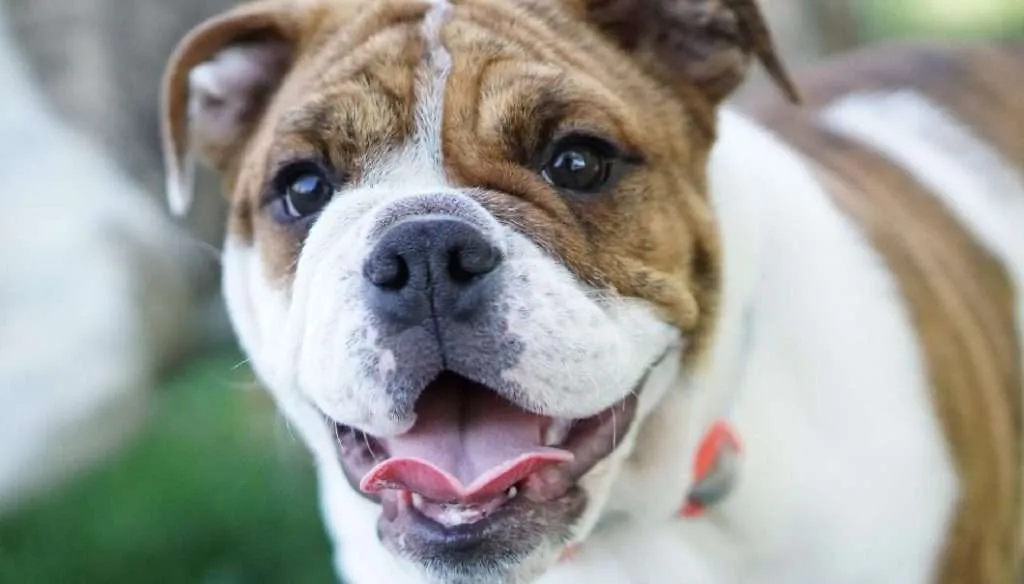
[708,42]
[216,86]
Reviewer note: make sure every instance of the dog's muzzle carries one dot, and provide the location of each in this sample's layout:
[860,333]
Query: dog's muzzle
[483,474]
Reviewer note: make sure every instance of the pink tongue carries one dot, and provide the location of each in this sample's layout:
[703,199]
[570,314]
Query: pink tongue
[469,445]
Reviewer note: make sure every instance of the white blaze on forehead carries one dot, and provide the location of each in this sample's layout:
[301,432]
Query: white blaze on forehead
[339,363]
[420,161]
[431,80]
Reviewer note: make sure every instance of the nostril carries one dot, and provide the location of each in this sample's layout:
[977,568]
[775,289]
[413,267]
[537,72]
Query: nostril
[470,262]
[389,273]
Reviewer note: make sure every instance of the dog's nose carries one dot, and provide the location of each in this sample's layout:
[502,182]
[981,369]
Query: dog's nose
[432,266]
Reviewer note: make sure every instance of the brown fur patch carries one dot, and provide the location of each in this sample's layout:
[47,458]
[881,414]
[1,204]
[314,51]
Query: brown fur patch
[959,296]
[522,77]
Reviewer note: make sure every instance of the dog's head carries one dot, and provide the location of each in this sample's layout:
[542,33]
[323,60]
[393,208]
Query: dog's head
[464,237]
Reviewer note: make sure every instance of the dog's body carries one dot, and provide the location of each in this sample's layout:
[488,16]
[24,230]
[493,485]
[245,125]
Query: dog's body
[922,148]
[520,246]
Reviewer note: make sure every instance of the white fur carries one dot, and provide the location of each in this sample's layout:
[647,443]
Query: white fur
[970,177]
[835,404]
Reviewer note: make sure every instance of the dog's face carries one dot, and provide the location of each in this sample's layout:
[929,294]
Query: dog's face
[465,237]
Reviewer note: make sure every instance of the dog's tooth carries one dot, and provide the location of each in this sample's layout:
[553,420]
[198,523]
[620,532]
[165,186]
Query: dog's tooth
[512,492]
[458,515]
[557,431]
[417,500]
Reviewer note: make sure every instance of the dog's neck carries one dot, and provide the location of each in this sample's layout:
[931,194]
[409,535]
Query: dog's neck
[742,184]
[742,187]
[750,174]
[696,399]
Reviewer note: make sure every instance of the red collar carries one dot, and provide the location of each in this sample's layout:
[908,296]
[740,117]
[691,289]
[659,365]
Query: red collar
[714,472]
[714,469]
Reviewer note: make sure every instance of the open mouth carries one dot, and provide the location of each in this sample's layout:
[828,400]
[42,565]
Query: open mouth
[471,453]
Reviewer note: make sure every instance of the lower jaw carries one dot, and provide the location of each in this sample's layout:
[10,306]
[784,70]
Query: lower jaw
[543,509]
[506,537]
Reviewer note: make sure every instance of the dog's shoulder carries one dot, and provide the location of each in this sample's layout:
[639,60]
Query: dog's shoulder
[922,147]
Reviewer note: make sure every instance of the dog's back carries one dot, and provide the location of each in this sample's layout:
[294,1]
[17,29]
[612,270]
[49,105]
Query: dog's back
[978,85]
[924,148]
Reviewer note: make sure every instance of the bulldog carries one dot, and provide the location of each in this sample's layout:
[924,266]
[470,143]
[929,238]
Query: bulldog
[545,310]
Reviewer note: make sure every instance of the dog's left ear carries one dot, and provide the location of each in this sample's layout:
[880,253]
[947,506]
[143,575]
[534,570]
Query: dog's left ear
[709,43]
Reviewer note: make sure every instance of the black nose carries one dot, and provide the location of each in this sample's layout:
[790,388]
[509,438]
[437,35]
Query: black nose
[431,267]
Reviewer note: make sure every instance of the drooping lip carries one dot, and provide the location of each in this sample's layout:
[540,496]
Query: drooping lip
[588,441]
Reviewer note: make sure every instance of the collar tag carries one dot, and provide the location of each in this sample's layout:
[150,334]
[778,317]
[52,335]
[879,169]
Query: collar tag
[714,469]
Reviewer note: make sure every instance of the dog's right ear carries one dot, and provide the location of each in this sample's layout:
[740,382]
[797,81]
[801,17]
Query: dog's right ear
[709,43]
[216,86]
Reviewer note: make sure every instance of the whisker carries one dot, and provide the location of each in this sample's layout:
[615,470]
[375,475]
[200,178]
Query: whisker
[280,417]
[615,430]
[291,428]
[373,455]
[211,251]
[240,364]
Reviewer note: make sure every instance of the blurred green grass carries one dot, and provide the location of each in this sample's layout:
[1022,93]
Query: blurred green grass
[214,491]
[962,19]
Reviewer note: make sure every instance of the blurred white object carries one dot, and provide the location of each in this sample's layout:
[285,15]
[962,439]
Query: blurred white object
[94,294]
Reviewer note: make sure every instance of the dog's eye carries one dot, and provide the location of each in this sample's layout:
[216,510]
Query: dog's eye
[581,164]
[302,190]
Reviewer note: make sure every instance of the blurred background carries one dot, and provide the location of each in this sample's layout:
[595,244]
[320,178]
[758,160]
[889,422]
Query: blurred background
[134,443]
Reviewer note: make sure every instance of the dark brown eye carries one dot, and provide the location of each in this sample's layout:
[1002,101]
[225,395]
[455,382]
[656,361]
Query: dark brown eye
[302,190]
[580,164]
